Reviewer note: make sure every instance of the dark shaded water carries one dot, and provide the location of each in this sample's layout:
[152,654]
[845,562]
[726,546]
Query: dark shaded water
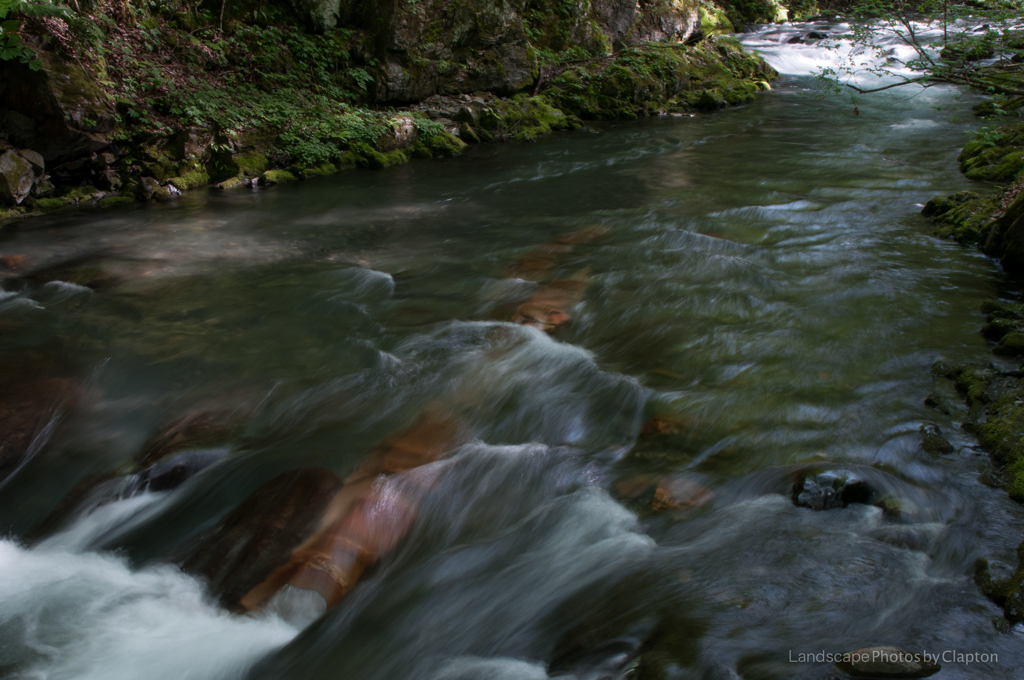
[761,278]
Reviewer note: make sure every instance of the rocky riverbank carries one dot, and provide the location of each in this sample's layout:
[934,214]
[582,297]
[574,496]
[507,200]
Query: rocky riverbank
[127,103]
[993,220]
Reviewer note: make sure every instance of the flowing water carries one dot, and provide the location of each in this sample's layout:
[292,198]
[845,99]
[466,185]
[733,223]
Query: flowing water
[759,280]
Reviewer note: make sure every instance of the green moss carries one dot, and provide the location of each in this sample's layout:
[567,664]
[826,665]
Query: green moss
[973,384]
[1015,474]
[714,20]
[443,145]
[651,79]
[997,309]
[116,201]
[994,155]
[1012,344]
[319,171]
[1002,434]
[525,118]
[271,177]
[191,180]
[965,216]
[997,328]
[347,161]
[231,183]
[937,206]
[48,204]
[81,192]
[368,157]
[251,164]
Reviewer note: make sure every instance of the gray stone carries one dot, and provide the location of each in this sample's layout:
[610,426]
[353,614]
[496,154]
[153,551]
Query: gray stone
[36,160]
[467,115]
[16,178]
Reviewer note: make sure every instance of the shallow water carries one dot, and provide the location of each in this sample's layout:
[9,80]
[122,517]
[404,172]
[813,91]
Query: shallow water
[762,278]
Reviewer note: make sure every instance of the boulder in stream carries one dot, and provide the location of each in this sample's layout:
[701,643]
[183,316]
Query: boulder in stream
[832,489]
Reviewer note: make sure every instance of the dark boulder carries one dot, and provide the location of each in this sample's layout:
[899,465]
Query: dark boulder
[59,111]
[933,441]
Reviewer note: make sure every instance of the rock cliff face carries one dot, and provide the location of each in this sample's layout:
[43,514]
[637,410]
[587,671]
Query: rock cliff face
[440,47]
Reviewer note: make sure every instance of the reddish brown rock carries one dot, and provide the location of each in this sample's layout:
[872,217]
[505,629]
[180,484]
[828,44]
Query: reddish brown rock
[310,530]
[548,306]
[680,493]
[334,559]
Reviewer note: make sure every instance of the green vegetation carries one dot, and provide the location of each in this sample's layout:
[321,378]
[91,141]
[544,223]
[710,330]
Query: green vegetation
[196,94]
[11,14]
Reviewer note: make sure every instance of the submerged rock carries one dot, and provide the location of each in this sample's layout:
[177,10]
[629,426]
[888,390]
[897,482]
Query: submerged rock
[548,306]
[181,467]
[887,662]
[680,492]
[312,531]
[933,442]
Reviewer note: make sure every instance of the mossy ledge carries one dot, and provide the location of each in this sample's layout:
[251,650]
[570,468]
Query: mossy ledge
[142,103]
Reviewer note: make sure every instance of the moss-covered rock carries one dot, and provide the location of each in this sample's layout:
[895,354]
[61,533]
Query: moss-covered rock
[271,177]
[191,180]
[966,216]
[995,155]
[252,164]
[655,79]
[972,382]
[1011,344]
[444,145]
[369,157]
[232,183]
[524,118]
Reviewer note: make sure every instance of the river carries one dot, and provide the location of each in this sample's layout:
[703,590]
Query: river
[755,285]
